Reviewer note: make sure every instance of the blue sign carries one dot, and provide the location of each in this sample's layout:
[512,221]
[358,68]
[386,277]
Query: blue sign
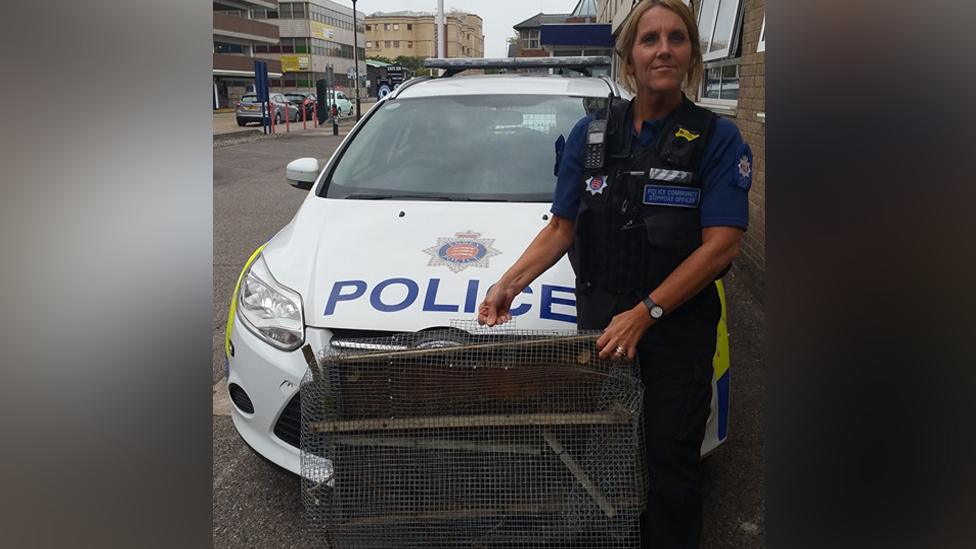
[671,195]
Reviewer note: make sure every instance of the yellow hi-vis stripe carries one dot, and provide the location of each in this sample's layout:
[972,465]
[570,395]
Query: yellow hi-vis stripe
[721,361]
[233,299]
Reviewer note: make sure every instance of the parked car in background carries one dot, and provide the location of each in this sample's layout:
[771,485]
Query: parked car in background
[250,110]
[341,101]
[304,101]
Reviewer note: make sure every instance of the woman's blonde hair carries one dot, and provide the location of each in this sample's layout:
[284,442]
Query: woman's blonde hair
[628,34]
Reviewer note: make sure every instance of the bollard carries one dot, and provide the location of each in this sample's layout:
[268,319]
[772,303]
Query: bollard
[315,115]
[304,116]
[287,119]
[335,126]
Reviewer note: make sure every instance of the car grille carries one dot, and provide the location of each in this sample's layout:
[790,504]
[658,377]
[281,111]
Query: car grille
[240,398]
[288,427]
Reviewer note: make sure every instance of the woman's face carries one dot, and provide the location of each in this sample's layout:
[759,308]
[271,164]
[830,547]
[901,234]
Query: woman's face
[662,51]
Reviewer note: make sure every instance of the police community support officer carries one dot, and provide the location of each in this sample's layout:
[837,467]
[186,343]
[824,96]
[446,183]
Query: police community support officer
[650,230]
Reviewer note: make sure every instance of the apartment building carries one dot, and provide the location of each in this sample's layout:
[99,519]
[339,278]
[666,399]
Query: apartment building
[414,34]
[314,36]
[733,38]
[235,37]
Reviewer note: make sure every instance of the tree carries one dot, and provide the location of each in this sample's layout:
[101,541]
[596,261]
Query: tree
[410,62]
[381,59]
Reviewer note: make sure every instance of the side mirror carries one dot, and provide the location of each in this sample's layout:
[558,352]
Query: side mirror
[302,172]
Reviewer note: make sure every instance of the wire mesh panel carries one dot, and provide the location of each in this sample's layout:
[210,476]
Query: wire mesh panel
[475,438]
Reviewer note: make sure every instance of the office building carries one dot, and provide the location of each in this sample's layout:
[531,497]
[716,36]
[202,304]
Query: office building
[235,37]
[315,36]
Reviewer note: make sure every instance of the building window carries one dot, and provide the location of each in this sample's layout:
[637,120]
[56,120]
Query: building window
[396,43]
[530,39]
[721,82]
[762,36]
[409,44]
[396,26]
[369,27]
[387,44]
[369,44]
[409,27]
[720,24]
[716,23]
[386,26]
[223,47]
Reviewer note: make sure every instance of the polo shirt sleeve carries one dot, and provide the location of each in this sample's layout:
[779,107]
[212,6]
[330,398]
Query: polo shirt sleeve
[569,178]
[726,177]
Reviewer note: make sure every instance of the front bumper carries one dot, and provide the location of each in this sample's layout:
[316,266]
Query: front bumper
[271,378]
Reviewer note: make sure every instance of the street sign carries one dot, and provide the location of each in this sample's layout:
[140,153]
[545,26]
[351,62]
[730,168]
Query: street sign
[395,73]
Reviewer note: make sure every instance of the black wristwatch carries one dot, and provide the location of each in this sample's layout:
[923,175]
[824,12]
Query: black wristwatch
[653,309]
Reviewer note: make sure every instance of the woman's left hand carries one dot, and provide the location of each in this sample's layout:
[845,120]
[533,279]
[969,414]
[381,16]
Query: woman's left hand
[620,339]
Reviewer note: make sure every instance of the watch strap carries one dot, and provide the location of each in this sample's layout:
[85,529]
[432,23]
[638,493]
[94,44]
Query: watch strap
[651,306]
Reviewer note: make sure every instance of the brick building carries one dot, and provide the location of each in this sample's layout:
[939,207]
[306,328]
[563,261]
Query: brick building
[414,34]
[733,45]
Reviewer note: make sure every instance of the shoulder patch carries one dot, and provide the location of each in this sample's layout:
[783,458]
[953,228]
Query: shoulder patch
[743,167]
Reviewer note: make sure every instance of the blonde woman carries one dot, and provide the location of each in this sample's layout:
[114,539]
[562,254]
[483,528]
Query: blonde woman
[648,233]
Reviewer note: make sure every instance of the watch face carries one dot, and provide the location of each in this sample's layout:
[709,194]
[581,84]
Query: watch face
[657,312]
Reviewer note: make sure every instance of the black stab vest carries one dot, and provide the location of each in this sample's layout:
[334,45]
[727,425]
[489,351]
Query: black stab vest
[634,230]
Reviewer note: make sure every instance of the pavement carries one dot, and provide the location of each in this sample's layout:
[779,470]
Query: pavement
[225,125]
[257,504]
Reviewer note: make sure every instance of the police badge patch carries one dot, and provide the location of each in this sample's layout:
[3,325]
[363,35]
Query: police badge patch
[463,251]
[743,168]
[596,184]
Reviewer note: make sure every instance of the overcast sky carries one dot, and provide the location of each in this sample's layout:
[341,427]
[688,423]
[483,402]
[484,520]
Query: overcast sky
[498,15]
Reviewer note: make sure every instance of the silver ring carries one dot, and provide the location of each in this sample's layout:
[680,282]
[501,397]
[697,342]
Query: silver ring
[620,350]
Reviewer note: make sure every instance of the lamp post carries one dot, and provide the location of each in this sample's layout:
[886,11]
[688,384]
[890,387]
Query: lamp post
[355,56]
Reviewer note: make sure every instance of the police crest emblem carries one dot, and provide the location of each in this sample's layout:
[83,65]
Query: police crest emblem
[461,251]
[745,168]
[596,184]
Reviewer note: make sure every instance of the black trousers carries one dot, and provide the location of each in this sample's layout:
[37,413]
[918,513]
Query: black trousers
[676,406]
[675,359]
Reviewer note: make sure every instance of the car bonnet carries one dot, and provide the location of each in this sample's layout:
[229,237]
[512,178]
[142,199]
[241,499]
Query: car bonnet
[409,265]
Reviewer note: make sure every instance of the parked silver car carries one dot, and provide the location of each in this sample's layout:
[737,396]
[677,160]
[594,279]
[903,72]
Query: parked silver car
[250,110]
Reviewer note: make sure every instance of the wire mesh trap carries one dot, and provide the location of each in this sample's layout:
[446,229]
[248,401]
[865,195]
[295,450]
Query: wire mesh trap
[481,438]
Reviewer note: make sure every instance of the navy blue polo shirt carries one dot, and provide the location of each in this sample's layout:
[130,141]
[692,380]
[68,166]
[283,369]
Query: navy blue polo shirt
[726,172]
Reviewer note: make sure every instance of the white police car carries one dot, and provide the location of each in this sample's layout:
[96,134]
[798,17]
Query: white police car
[427,201]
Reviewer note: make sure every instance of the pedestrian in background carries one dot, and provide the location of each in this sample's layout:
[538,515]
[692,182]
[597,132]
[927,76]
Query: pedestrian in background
[649,229]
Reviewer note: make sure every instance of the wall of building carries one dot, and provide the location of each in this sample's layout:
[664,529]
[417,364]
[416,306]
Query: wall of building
[750,117]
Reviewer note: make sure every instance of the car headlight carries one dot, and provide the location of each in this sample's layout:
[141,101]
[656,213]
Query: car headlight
[270,309]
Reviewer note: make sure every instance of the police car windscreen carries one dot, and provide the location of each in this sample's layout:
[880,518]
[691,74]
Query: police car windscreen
[472,147]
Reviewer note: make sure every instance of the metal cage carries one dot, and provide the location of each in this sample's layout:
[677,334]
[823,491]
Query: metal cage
[479,438]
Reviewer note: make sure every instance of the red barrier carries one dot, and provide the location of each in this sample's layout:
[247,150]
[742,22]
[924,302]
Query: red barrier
[304,116]
[271,115]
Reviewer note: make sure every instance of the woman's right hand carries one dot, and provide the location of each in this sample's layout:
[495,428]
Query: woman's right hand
[496,308]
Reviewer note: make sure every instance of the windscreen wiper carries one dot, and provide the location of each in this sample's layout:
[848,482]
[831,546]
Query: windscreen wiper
[394,197]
